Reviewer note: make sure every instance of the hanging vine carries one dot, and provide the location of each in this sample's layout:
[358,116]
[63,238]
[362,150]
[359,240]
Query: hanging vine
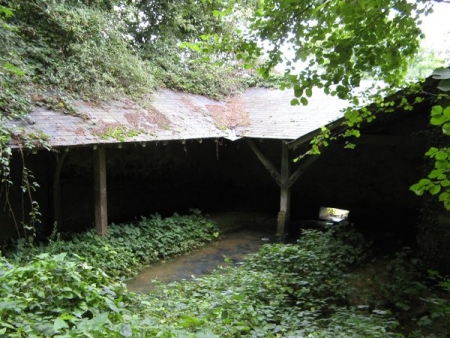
[15,104]
[30,214]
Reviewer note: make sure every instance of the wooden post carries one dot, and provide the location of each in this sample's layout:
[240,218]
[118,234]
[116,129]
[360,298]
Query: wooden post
[284,180]
[57,218]
[285,192]
[101,210]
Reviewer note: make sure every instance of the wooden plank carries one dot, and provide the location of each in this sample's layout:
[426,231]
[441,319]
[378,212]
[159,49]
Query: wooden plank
[101,211]
[266,162]
[57,218]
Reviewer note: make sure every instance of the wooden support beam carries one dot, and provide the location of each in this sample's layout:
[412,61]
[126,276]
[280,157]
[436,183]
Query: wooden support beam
[285,191]
[284,180]
[266,162]
[57,218]
[284,215]
[101,210]
[302,168]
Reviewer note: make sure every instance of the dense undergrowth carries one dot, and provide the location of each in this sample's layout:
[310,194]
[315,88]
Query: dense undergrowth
[58,50]
[127,247]
[317,287]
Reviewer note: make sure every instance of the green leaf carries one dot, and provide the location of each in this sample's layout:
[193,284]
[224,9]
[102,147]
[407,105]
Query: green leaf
[224,314]
[417,189]
[436,173]
[447,204]
[444,85]
[6,11]
[436,110]
[111,305]
[298,91]
[126,331]
[349,145]
[60,257]
[438,120]
[444,196]
[442,164]
[60,324]
[13,69]
[441,73]
[424,181]
[441,155]
[447,112]
[99,320]
[446,128]
[304,101]
[308,92]
[435,189]
[431,152]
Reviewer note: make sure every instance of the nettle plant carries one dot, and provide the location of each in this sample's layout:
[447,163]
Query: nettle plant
[437,181]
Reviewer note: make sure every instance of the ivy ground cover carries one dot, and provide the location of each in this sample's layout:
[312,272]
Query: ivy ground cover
[303,289]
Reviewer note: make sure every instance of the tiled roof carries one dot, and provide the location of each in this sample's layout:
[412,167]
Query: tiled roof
[272,116]
[169,115]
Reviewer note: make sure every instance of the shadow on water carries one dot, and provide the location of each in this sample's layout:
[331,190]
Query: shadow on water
[233,247]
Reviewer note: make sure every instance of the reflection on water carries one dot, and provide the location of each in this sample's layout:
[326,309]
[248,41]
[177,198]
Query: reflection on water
[232,247]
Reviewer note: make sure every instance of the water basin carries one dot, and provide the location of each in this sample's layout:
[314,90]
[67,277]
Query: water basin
[231,249]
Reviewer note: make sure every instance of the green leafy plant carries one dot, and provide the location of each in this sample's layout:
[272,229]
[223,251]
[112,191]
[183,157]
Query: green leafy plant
[118,132]
[128,247]
[437,181]
[60,295]
[299,289]
[15,103]
[283,290]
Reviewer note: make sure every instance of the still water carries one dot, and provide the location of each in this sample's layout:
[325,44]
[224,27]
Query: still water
[231,249]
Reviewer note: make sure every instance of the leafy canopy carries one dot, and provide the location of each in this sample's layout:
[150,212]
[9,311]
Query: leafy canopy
[161,30]
[100,48]
[151,21]
[332,45]
[336,43]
